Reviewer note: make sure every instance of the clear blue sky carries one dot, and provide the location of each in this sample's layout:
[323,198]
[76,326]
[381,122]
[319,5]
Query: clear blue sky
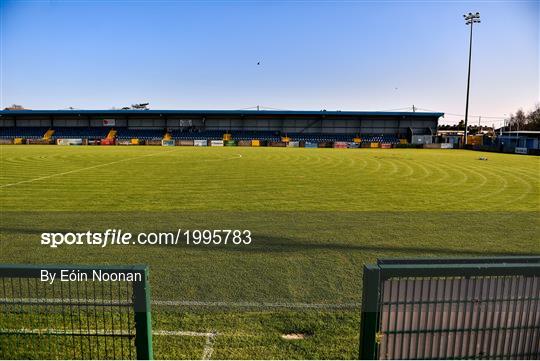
[352,55]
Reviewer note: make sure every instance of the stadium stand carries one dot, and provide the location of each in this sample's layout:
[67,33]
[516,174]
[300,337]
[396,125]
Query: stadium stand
[23,132]
[192,134]
[268,127]
[321,137]
[187,134]
[146,134]
[390,139]
[273,136]
[79,132]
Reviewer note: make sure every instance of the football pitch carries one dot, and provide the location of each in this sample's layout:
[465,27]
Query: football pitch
[315,217]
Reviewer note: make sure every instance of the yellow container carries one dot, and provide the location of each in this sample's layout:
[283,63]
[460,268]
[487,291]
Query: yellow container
[227,136]
[374,145]
[255,143]
[403,141]
[357,140]
[135,141]
[18,141]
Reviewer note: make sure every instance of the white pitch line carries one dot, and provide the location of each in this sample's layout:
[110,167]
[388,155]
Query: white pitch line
[183,333]
[97,166]
[60,301]
[64,301]
[299,305]
[238,156]
[208,347]
[79,170]
[53,331]
[258,304]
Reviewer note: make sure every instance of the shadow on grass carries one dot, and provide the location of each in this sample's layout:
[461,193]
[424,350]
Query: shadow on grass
[285,244]
[265,243]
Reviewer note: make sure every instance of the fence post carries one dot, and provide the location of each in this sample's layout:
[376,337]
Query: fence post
[143,318]
[369,322]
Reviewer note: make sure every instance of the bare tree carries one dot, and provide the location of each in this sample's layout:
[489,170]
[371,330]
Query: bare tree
[525,121]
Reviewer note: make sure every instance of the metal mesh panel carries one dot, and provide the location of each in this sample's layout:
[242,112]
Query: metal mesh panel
[451,309]
[83,319]
[465,318]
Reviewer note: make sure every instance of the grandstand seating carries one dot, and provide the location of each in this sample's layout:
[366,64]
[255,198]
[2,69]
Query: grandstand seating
[187,134]
[391,139]
[23,132]
[194,134]
[321,137]
[273,136]
[80,132]
[145,134]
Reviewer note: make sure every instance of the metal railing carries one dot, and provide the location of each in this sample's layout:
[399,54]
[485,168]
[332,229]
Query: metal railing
[95,312]
[451,309]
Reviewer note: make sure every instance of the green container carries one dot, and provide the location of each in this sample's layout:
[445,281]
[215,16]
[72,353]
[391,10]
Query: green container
[229,143]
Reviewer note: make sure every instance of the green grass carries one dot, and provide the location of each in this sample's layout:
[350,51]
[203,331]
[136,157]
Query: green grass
[317,215]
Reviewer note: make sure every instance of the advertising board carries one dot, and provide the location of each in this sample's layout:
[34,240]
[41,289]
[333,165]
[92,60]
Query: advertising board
[69,141]
[168,142]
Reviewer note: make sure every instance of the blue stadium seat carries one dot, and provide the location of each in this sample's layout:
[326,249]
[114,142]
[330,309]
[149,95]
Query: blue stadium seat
[80,132]
[23,132]
[145,134]
[386,138]
[189,134]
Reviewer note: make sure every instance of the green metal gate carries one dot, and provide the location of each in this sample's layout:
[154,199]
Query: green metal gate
[95,313]
[485,308]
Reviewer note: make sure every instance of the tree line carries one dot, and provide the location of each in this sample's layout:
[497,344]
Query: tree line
[521,120]
[524,120]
